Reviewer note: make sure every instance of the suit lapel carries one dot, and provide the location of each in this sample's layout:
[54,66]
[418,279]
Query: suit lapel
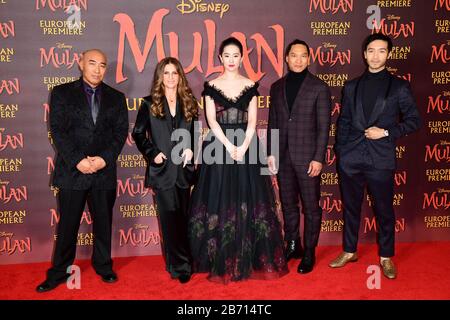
[305,86]
[283,94]
[301,92]
[381,101]
[183,123]
[359,112]
[82,103]
[168,116]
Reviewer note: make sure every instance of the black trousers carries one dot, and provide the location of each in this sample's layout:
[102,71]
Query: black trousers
[71,205]
[172,207]
[356,171]
[294,183]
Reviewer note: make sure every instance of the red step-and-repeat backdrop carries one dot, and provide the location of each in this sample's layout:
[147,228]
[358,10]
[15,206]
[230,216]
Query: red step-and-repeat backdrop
[41,42]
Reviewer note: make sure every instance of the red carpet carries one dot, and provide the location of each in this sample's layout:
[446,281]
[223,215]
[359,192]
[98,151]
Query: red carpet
[424,273]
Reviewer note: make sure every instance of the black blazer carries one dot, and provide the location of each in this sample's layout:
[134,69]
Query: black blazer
[394,102]
[76,136]
[303,132]
[152,136]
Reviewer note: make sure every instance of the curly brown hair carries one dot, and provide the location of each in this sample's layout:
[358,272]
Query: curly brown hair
[188,102]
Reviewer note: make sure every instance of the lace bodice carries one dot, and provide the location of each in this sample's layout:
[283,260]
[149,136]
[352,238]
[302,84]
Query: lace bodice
[231,111]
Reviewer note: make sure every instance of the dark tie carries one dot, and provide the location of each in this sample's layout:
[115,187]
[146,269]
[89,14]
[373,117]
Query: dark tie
[94,104]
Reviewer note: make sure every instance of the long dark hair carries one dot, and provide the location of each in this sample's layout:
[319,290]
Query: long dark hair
[184,93]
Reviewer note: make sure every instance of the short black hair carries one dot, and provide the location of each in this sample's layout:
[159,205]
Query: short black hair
[377,36]
[231,41]
[294,42]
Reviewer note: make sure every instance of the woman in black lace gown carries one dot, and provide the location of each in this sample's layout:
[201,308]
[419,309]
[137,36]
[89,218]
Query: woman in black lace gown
[234,232]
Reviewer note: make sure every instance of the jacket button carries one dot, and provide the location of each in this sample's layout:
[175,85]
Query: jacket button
[290,119]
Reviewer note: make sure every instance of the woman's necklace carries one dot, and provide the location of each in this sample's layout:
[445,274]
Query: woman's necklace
[171,99]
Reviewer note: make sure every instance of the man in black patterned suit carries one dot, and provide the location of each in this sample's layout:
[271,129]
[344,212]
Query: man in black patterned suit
[300,109]
[367,130]
[89,126]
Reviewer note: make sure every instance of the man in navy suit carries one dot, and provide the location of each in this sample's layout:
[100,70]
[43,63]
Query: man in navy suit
[367,130]
[89,126]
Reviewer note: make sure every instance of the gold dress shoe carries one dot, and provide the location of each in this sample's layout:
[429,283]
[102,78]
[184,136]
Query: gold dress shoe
[389,269]
[342,259]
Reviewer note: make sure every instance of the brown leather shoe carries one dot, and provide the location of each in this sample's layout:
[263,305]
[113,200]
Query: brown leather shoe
[342,259]
[389,269]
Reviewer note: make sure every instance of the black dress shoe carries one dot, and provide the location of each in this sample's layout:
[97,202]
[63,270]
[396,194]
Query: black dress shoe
[109,277]
[307,264]
[294,250]
[184,278]
[48,285]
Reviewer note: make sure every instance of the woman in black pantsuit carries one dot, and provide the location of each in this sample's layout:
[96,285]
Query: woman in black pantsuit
[169,111]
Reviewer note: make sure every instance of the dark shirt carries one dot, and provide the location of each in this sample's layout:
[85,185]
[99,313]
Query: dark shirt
[98,92]
[294,81]
[372,83]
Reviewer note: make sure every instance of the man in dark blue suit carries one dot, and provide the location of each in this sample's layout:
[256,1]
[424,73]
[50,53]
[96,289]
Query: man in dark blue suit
[89,126]
[367,130]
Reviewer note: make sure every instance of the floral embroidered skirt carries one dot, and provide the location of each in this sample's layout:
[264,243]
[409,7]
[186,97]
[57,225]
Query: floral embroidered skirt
[234,231]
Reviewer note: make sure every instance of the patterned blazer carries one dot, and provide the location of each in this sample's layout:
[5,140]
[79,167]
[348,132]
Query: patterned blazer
[392,102]
[303,133]
[76,136]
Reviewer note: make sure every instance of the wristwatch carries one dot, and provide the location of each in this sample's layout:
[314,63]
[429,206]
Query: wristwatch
[386,133]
